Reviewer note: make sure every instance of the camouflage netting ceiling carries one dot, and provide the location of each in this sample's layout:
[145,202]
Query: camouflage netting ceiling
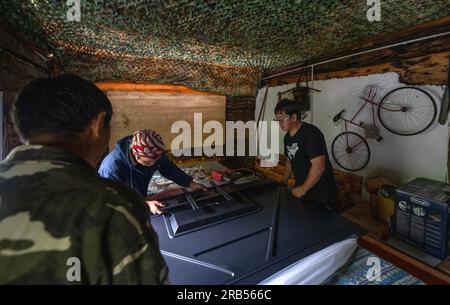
[220,46]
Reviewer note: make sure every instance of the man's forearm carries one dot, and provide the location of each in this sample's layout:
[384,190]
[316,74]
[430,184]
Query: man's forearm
[287,172]
[314,175]
[312,178]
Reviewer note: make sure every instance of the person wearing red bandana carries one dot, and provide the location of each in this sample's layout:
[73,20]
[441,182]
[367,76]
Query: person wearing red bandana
[135,159]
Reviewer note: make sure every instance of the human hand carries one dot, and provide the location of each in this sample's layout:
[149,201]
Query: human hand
[197,186]
[155,206]
[298,192]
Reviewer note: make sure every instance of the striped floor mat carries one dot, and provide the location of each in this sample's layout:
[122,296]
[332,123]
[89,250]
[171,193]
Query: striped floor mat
[361,264]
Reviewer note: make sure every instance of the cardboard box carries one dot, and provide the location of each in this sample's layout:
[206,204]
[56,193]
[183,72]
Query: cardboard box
[373,184]
[382,208]
[422,216]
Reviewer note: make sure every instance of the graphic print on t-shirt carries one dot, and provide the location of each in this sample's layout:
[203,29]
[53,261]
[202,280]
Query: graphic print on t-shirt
[292,150]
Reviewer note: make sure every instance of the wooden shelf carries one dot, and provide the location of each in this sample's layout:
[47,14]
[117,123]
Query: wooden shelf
[405,262]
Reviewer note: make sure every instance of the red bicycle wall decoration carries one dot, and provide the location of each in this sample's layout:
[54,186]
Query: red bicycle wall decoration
[404,111]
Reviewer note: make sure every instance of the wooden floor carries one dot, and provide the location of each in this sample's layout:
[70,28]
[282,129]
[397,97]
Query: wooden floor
[361,215]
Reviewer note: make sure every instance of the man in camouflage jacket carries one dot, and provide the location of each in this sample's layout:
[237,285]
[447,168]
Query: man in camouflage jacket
[60,223]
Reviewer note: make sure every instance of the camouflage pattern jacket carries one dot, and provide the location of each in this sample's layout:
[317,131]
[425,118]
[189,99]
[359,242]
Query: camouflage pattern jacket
[60,223]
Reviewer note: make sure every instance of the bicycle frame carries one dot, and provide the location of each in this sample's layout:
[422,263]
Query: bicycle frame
[397,112]
[373,104]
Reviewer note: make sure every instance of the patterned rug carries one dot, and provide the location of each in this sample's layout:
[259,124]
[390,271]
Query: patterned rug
[359,270]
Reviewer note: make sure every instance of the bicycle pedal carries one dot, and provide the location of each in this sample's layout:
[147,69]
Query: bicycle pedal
[380,139]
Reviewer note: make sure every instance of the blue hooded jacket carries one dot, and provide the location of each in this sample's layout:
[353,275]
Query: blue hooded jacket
[118,166]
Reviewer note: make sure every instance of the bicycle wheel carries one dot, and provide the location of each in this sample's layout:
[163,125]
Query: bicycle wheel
[350,151]
[407,111]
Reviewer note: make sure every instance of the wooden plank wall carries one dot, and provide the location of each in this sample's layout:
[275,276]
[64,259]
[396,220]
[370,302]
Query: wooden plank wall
[19,63]
[423,62]
[413,67]
[157,111]
[240,108]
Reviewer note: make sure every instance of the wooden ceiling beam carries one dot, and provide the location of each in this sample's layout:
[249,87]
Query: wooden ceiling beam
[148,87]
[423,70]
[434,27]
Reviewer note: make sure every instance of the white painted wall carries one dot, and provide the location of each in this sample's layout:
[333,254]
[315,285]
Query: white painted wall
[397,157]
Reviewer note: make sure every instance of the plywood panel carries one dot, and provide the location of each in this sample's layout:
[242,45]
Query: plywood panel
[158,111]
[147,87]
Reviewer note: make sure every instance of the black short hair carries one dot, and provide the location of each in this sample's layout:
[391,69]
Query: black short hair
[289,107]
[62,105]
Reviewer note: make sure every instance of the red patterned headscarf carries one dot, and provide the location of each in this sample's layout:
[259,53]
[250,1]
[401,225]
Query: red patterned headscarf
[147,143]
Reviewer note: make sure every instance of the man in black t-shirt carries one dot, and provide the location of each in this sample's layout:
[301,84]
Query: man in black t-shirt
[307,157]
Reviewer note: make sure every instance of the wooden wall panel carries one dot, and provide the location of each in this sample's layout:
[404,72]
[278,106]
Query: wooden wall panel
[158,111]
[423,60]
[19,64]
[147,87]
[424,70]
[241,108]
